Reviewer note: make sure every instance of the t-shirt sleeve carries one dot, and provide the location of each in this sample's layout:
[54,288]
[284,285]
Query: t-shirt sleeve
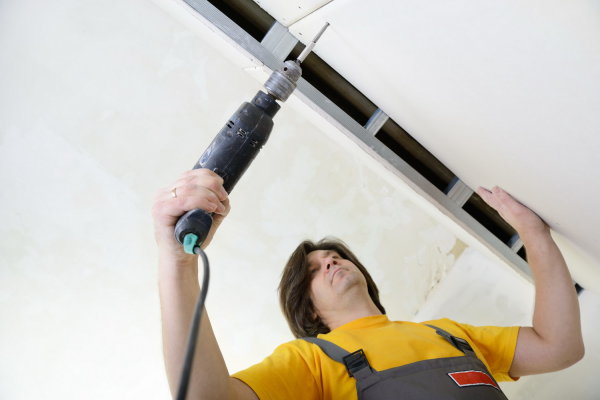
[496,345]
[289,372]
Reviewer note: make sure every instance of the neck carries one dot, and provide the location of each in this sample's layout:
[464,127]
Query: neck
[349,312]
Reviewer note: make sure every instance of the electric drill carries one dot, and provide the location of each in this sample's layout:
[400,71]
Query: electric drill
[238,143]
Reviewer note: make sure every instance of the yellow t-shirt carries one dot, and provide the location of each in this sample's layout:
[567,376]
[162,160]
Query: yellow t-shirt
[300,370]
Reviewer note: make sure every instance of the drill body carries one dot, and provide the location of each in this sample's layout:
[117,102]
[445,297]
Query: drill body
[236,145]
[240,140]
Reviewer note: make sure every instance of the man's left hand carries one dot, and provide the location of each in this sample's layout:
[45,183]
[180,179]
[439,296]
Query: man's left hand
[521,218]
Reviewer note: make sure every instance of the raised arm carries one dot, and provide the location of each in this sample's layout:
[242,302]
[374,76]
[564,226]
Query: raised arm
[554,341]
[179,288]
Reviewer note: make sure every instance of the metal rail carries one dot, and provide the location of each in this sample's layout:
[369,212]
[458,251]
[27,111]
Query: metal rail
[270,51]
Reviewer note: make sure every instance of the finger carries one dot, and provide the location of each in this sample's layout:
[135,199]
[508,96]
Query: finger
[196,190]
[203,172]
[226,208]
[502,195]
[210,180]
[488,197]
[483,193]
[202,196]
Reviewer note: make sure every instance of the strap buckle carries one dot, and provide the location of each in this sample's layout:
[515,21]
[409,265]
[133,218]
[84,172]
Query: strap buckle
[461,343]
[355,362]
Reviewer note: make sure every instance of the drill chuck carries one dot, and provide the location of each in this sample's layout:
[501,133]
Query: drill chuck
[282,82]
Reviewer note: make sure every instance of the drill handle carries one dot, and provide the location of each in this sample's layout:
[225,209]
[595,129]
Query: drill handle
[192,228]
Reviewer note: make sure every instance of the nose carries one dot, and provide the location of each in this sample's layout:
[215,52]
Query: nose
[329,262]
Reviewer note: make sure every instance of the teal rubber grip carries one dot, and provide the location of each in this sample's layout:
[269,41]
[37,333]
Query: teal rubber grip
[189,243]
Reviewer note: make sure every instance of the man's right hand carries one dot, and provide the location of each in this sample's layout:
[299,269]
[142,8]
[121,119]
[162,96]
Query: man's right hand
[197,188]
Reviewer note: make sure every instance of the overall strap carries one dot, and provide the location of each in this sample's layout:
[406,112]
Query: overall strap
[460,343]
[334,351]
[356,363]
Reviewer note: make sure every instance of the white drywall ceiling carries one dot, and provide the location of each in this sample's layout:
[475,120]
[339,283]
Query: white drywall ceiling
[101,104]
[502,93]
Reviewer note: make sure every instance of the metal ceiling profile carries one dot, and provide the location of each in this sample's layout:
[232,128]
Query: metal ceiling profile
[259,34]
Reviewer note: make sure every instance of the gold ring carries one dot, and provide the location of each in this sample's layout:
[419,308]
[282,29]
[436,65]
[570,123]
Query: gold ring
[174,193]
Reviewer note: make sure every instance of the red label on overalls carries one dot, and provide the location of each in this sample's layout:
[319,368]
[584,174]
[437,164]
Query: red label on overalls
[472,378]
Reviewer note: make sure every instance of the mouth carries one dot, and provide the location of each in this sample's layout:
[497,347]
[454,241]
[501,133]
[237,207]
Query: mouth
[335,272]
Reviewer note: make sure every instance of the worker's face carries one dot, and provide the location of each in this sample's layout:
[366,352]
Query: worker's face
[332,278]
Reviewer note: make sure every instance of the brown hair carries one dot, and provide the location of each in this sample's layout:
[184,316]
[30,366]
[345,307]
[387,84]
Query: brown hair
[294,293]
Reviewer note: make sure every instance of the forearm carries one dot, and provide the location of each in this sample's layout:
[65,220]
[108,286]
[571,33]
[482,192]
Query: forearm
[556,318]
[179,289]
[554,341]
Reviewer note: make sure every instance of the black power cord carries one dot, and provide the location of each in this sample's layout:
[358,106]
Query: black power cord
[194,329]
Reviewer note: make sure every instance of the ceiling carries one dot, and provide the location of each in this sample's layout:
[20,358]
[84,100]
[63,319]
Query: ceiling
[502,93]
[102,103]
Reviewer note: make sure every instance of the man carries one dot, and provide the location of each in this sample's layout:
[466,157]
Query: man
[340,302]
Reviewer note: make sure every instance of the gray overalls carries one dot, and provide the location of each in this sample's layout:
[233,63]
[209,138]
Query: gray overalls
[457,378]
